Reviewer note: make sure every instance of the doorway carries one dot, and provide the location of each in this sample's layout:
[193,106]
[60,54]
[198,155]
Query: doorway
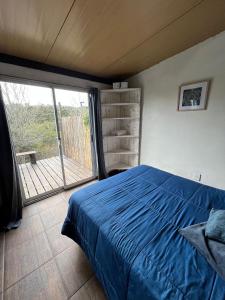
[50,131]
[74,134]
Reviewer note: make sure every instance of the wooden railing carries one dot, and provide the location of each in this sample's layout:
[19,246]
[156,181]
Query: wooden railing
[76,140]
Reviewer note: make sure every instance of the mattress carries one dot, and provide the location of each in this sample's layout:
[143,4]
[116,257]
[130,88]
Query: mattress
[128,225]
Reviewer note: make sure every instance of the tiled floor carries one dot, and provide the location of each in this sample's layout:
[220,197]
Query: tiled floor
[37,262]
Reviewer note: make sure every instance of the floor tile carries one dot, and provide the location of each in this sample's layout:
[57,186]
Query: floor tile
[30,210]
[50,202]
[54,215]
[58,241]
[43,284]
[25,258]
[28,229]
[1,261]
[74,268]
[91,290]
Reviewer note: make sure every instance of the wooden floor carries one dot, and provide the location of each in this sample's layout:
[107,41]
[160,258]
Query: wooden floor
[38,263]
[46,175]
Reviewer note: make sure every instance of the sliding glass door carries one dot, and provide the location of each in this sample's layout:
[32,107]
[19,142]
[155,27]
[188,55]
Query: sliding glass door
[74,133]
[51,136]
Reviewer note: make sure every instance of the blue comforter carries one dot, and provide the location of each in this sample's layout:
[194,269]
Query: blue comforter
[128,227]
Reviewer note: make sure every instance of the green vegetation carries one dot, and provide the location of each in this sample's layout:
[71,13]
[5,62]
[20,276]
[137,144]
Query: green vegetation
[33,127]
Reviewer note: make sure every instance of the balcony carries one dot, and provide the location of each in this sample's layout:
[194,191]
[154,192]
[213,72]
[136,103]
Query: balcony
[46,175]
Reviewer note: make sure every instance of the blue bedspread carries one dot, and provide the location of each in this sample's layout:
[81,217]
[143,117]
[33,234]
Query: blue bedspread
[128,227]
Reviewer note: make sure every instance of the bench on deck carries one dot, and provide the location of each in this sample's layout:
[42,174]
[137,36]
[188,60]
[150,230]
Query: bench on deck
[32,155]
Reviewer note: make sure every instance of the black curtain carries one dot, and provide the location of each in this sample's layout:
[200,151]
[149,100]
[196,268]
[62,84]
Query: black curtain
[96,131]
[10,192]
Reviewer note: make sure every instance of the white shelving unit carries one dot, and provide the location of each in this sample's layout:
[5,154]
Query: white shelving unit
[121,111]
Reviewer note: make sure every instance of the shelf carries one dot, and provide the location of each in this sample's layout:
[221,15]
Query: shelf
[120,104]
[120,110]
[120,90]
[121,136]
[119,166]
[121,151]
[121,118]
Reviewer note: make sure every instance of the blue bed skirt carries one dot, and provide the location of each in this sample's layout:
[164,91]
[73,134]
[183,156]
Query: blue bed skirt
[128,227]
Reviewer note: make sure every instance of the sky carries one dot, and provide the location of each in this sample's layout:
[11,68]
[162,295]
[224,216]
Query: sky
[36,95]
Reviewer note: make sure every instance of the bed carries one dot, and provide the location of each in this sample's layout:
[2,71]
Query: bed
[128,227]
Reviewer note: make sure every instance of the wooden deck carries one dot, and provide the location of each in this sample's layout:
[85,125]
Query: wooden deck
[46,175]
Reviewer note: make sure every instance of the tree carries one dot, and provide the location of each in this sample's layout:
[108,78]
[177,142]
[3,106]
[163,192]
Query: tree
[19,114]
[33,126]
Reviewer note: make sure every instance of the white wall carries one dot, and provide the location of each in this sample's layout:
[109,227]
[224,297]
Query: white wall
[38,75]
[185,143]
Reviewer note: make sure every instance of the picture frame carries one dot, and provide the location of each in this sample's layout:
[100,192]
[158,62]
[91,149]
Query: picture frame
[193,96]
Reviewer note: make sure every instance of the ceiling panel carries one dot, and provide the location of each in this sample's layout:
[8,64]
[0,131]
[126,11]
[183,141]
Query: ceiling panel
[28,28]
[202,22]
[108,38]
[99,32]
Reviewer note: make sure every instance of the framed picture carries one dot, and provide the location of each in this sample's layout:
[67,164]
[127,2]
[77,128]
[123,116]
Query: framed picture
[193,96]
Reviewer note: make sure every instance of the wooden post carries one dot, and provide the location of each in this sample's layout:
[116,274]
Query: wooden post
[33,158]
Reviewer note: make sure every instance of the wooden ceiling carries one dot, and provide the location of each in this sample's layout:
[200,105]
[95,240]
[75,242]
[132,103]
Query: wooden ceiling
[107,38]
